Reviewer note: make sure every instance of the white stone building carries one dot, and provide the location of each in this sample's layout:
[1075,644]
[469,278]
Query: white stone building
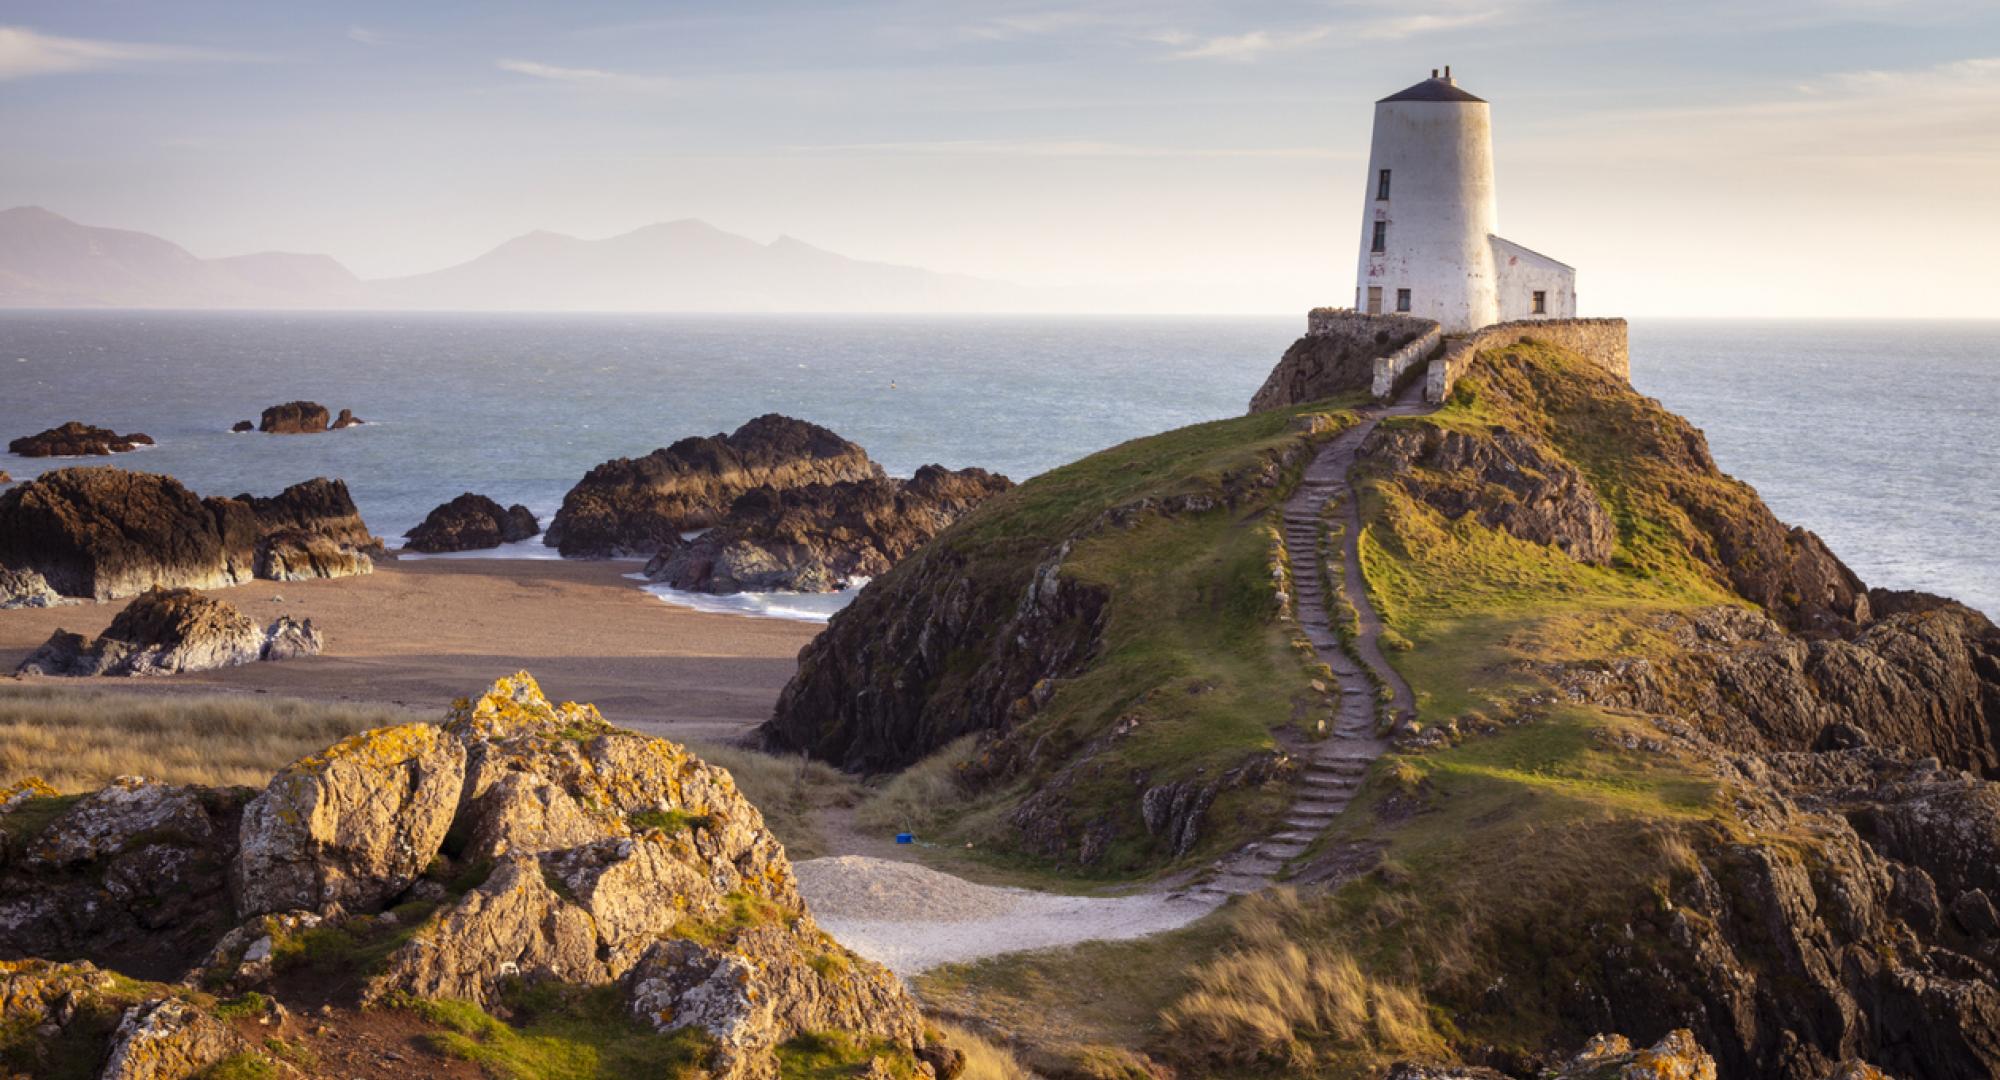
[1429,243]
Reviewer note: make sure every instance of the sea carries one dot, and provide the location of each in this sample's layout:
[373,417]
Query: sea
[1883,437]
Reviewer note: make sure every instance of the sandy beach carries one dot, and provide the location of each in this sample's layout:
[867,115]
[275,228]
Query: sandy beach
[421,633]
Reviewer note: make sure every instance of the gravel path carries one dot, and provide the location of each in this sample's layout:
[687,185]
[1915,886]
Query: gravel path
[911,918]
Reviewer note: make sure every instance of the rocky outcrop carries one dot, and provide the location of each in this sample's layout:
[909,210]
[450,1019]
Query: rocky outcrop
[168,1039]
[169,631]
[106,533]
[470,523]
[1506,480]
[242,427]
[1337,356]
[27,589]
[77,439]
[1924,680]
[636,506]
[293,418]
[346,419]
[346,829]
[821,537]
[1604,1057]
[133,875]
[1613,436]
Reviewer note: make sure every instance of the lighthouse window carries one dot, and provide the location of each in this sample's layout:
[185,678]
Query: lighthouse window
[1382,185]
[1374,299]
[1402,299]
[1381,237]
[1541,302]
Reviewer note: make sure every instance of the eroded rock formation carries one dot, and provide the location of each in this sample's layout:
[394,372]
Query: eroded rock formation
[820,537]
[575,854]
[169,631]
[77,439]
[104,533]
[470,523]
[636,506]
[27,589]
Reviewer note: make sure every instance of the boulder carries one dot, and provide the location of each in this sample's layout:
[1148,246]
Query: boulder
[821,537]
[352,826]
[168,1039]
[76,439]
[105,533]
[294,418]
[346,419]
[242,427]
[168,631]
[636,506]
[27,589]
[112,818]
[472,522]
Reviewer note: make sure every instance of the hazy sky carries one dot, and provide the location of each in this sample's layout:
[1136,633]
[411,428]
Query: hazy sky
[1796,157]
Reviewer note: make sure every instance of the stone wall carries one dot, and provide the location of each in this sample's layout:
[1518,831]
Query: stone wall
[1339,354]
[1390,369]
[1600,341]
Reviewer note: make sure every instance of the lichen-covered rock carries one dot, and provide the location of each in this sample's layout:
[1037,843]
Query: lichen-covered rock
[348,828]
[77,439]
[27,589]
[1611,1057]
[294,418]
[820,537]
[244,957]
[168,631]
[636,506]
[168,1039]
[110,819]
[105,533]
[512,925]
[470,523]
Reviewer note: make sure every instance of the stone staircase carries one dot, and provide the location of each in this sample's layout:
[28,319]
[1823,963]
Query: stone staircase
[1335,765]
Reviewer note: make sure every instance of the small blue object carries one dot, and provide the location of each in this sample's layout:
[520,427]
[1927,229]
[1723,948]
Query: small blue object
[906,838]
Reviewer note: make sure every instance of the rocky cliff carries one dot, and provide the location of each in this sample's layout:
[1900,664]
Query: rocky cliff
[820,537]
[636,506]
[522,859]
[106,533]
[1673,764]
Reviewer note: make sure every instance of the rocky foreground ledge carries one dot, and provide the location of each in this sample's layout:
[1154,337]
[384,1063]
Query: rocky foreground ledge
[518,857]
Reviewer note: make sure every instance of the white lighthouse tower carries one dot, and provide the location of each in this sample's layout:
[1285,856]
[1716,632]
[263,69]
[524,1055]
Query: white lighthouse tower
[1429,225]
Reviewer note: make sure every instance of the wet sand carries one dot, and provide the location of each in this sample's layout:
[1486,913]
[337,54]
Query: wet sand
[421,633]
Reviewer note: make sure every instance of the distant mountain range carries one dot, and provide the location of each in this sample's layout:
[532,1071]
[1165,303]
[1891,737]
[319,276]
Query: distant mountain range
[47,260]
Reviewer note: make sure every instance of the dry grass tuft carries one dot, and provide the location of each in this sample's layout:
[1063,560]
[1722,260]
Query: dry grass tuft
[77,739]
[921,796]
[984,1060]
[1275,1000]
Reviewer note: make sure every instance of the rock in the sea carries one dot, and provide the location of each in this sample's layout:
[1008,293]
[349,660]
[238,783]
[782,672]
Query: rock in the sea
[346,419]
[6,477]
[294,418]
[104,533]
[243,426]
[77,439]
[821,537]
[27,589]
[636,506]
[472,522]
[168,631]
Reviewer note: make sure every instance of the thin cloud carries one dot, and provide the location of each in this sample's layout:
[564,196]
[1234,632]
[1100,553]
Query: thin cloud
[1033,24]
[1062,148]
[1254,44]
[372,38]
[26,53]
[581,76]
